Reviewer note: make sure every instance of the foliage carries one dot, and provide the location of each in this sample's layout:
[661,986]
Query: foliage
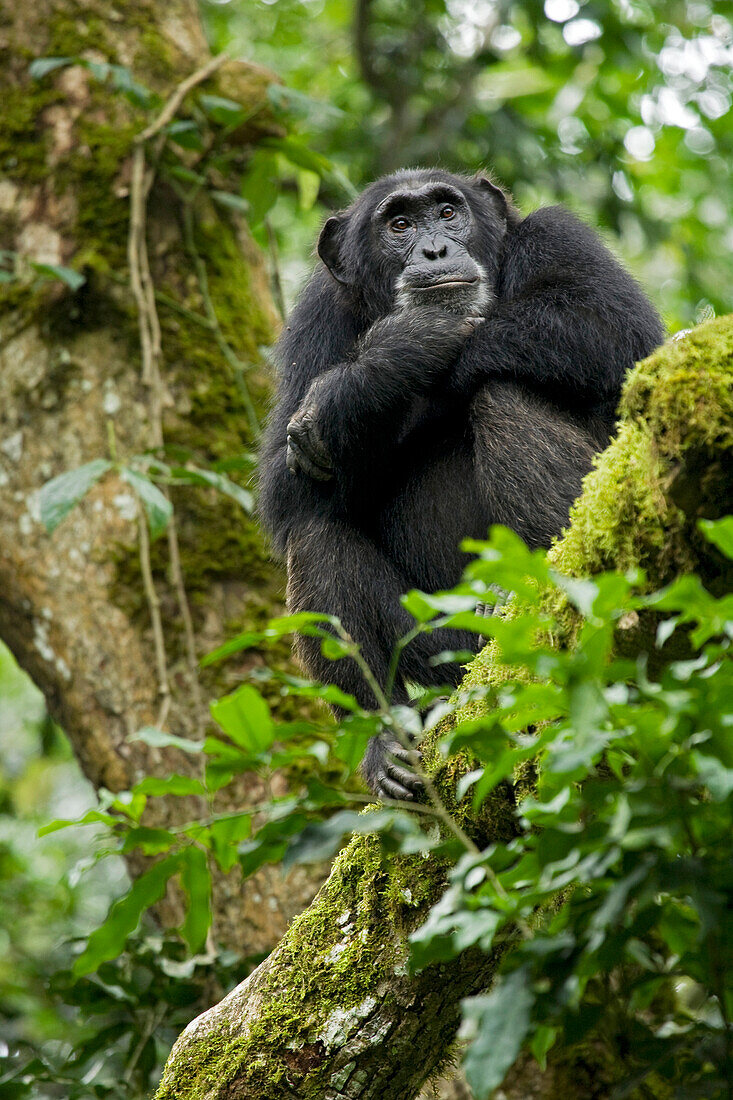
[620,110]
[615,889]
[62,493]
[125,1019]
[104,1034]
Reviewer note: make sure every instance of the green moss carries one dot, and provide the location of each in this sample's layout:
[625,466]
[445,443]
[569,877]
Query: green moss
[92,173]
[363,895]
[322,982]
[23,144]
[74,29]
[677,412]
[683,392]
[157,57]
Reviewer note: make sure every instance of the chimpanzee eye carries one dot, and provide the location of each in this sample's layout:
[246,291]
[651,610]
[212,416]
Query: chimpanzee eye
[447,212]
[399,225]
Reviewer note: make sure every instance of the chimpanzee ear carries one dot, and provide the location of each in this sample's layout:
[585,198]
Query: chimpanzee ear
[499,197]
[330,248]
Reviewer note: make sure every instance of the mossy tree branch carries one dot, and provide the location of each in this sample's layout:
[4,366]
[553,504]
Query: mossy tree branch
[332,1013]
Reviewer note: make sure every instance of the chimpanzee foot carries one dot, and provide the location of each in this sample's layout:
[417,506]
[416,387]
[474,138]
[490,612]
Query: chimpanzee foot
[388,770]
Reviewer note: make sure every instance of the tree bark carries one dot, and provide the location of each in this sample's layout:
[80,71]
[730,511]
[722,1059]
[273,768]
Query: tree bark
[332,1013]
[72,605]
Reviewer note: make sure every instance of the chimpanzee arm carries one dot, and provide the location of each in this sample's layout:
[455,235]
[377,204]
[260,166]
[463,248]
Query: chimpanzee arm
[567,320]
[356,412]
[322,330]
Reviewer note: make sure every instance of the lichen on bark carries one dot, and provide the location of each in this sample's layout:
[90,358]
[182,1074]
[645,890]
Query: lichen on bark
[304,1025]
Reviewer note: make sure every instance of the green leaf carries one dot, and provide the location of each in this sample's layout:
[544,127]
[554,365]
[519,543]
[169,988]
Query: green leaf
[713,773]
[100,70]
[509,80]
[156,504]
[496,1024]
[151,842]
[245,717]
[226,833]
[225,112]
[185,175]
[304,622]
[320,840]
[335,648]
[194,475]
[295,103]
[300,155]
[124,916]
[230,200]
[171,784]
[91,817]
[59,495]
[352,739]
[185,132]
[123,81]
[196,882]
[159,739]
[720,533]
[43,65]
[309,184]
[542,1042]
[260,185]
[73,279]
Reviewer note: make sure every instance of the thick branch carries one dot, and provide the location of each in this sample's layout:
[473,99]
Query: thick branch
[332,1013]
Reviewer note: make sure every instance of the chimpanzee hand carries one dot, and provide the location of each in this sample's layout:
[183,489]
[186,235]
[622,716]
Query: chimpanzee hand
[406,352]
[306,451]
[387,769]
[416,343]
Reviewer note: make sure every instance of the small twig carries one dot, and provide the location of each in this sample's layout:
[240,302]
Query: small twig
[111,440]
[169,111]
[397,651]
[189,314]
[155,1017]
[179,584]
[139,188]
[143,289]
[357,799]
[154,605]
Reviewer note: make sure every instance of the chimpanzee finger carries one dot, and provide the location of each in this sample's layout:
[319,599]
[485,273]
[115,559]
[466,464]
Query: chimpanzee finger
[298,458]
[405,776]
[389,788]
[398,749]
[303,430]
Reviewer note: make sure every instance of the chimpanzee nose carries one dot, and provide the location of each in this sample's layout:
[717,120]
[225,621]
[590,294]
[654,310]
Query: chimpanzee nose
[437,250]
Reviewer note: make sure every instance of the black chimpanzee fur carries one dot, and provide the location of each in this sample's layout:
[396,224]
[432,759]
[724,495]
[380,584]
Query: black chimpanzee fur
[449,366]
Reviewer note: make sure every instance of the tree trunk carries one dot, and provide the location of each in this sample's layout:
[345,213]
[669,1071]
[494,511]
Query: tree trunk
[73,607]
[332,1012]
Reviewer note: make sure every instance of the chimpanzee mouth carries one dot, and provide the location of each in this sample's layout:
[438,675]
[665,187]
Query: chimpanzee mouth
[442,284]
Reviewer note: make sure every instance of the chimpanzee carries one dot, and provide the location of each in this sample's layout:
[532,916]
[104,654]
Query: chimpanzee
[449,366]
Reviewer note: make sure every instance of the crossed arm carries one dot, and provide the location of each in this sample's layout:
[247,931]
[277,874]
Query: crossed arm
[568,320]
[351,411]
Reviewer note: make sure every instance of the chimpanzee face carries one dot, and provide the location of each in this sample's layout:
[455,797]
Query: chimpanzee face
[419,238]
[427,231]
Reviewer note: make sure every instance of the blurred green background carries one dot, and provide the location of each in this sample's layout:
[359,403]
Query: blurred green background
[619,109]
